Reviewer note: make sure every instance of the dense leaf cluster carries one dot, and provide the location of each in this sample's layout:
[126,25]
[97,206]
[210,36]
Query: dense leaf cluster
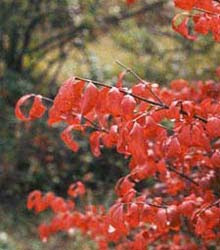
[183,159]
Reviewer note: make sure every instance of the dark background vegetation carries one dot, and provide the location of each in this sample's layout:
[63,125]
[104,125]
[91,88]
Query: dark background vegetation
[44,42]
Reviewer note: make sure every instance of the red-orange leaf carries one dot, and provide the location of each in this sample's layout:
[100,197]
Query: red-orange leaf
[213,127]
[133,216]
[89,99]
[127,106]
[182,28]
[36,111]
[119,83]
[68,139]
[185,4]
[76,189]
[67,100]
[173,148]
[114,100]
[123,186]
[94,139]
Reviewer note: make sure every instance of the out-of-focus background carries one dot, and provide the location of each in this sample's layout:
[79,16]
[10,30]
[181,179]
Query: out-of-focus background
[44,42]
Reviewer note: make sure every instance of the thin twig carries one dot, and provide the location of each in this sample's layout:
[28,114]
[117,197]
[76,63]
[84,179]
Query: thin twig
[124,92]
[96,126]
[215,203]
[159,104]
[206,11]
[139,79]
[182,175]
[47,99]
[201,118]
[145,203]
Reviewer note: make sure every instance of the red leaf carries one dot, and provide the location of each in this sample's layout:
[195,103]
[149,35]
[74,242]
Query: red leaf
[101,104]
[67,100]
[48,199]
[44,232]
[202,25]
[189,108]
[127,106]
[117,217]
[123,186]
[33,197]
[36,111]
[206,5]
[185,4]
[173,148]
[34,200]
[184,136]
[114,100]
[19,103]
[133,217]
[120,79]
[215,159]
[173,217]
[68,139]
[201,226]
[90,98]
[137,145]
[187,207]
[213,127]
[58,205]
[182,27]
[199,137]
[94,139]
[179,84]
[161,219]
[76,189]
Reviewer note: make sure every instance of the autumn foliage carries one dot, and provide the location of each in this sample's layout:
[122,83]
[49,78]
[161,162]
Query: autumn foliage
[202,15]
[171,136]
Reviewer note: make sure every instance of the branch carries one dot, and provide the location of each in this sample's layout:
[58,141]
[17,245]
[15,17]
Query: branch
[145,203]
[125,15]
[139,79]
[182,175]
[106,20]
[124,92]
[95,126]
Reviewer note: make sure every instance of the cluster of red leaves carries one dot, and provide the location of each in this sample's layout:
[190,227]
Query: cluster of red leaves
[204,14]
[205,17]
[171,136]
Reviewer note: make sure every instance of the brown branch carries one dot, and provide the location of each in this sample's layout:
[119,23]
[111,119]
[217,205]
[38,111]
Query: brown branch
[124,92]
[182,175]
[151,91]
[106,20]
[215,203]
[145,203]
[139,79]
[47,99]
[159,104]
[95,126]
[206,11]
[125,15]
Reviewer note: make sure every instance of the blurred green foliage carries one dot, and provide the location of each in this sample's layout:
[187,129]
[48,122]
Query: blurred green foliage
[44,42]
